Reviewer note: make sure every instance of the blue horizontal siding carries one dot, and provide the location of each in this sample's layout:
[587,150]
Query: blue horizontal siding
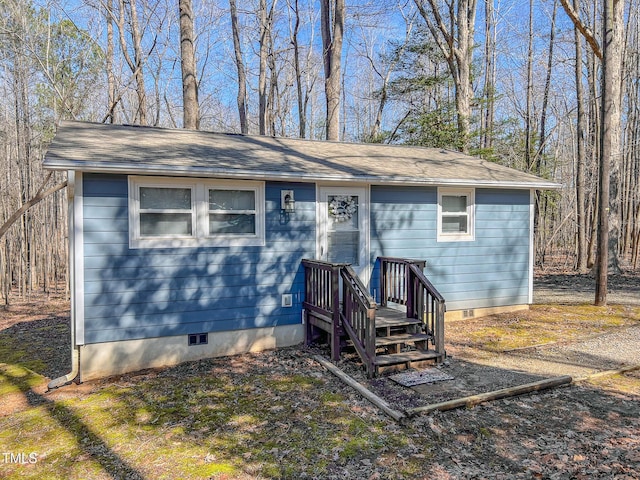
[140,293]
[191,312]
[135,302]
[492,270]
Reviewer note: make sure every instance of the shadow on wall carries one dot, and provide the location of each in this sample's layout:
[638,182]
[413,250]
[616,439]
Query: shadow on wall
[149,293]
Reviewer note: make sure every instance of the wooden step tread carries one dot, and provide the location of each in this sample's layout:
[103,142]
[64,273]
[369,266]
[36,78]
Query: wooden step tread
[392,318]
[403,338]
[404,357]
[385,323]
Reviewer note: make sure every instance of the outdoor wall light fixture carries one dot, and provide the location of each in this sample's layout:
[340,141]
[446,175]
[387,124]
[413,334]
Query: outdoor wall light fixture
[287,201]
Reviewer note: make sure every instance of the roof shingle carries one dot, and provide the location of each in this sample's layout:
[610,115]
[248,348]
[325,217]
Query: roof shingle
[143,150]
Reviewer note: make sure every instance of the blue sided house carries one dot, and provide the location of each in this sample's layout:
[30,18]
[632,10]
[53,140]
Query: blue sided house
[188,244]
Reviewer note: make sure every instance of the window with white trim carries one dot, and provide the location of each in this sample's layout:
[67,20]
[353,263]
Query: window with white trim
[232,212]
[456,219]
[166,211]
[178,212]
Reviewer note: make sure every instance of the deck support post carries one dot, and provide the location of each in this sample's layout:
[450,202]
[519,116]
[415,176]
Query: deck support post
[439,327]
[335,301]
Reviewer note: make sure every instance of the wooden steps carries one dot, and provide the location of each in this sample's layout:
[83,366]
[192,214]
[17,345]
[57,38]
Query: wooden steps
[406,332]
[400,342]
[393,362]
[399,339]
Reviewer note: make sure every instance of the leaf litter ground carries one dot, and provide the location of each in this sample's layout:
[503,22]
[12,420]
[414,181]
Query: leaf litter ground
[279,414]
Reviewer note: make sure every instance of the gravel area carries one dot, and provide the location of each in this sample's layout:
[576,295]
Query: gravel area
[576,288]
[609,351]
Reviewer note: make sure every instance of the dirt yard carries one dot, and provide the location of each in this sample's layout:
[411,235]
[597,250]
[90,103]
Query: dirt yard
[280,414]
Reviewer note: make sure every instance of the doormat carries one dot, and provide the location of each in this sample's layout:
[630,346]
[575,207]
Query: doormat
[418,377]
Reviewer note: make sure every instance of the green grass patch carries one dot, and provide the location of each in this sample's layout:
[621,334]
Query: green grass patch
[248,425]
[17,379]
[623,383]
[13,352]
[539,325]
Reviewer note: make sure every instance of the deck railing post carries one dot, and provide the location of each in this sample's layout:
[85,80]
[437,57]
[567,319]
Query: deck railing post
[439,328]
[383,282]
[307,289]
[410,291]
[335,308]
[371,341]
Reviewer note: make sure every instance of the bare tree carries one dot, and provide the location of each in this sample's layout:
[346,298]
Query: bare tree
[542,139]
[489,89]
[137,62]
[581,140]
[295,29]
[454,35]
[383,67]
[241,98]
[610,143]
[109,57]
[190,106]
[40,195]
[332,13]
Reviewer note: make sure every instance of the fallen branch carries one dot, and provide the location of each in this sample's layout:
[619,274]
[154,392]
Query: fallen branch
[366,393]
[40,195]
[495,395]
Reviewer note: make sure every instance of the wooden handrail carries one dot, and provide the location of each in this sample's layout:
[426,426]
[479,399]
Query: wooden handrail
[426,305]
[402,281]
[322,297]
[393,279]
[359,317]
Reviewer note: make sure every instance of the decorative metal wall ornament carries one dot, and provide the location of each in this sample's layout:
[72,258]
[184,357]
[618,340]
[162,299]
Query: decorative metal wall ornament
[342,207]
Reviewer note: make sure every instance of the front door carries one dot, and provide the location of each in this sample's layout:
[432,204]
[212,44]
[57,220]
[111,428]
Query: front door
[343,227]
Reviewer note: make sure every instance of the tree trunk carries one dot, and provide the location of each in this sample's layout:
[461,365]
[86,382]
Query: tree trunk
[332,14]
[464,59]
[542,142]
[610,121]
[111,79]
[190,108]
[528,118]
[302,114]
[610,144]
[139,61]
[580,156]
[135,64]
[262,74]
[593,153]
[489,77]
[242,76]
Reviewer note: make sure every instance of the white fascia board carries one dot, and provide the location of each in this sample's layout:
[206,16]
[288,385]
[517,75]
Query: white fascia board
[132,169]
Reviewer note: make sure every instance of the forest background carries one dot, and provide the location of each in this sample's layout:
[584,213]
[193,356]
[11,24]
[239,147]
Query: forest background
[515,82]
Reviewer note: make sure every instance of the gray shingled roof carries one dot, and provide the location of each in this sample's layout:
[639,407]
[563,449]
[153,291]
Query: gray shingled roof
[106,148]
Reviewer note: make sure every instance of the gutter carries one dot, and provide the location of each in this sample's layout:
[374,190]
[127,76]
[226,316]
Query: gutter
[299,176]
[75,366]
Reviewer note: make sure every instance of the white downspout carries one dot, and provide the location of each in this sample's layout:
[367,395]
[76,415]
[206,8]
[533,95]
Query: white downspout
[532,213]
[75,349]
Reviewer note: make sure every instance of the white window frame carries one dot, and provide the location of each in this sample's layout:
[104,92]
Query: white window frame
[200,214]
[469,236]
[153,184]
